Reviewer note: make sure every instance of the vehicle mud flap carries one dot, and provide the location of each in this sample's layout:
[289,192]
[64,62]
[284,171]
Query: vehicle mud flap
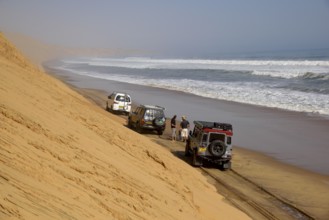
[196,161]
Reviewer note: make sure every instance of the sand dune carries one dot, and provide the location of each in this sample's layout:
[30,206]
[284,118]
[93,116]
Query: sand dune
[62,157]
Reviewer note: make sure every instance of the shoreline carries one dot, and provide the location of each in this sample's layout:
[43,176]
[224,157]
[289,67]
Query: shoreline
[283,135]
[67,77]
[98,97]
[281,179]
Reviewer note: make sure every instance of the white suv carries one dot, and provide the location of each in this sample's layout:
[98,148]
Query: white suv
[119,102]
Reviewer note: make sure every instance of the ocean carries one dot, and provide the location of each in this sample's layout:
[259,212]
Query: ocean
[287,81]
[295,87]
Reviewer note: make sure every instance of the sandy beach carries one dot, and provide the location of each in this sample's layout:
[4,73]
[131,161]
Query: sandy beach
[291,137]
[307,190]
[64,157]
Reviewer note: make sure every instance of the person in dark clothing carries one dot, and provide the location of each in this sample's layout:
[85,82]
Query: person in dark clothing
[173,128]
[185,124]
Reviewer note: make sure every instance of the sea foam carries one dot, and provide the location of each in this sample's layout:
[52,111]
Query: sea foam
[297,85]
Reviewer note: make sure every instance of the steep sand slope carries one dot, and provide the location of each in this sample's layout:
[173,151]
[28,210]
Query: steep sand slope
[62,157]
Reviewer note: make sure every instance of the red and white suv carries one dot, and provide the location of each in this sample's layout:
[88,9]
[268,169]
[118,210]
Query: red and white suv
[211,141]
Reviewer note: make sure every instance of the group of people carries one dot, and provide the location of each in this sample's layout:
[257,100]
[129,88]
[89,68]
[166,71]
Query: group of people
[183,129]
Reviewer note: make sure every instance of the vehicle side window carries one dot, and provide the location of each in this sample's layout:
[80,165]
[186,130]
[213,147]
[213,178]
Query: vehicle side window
[141,111]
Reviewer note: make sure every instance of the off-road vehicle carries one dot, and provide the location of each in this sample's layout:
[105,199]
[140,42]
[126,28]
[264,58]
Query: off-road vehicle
[119,102]
[210,141]
[148,117]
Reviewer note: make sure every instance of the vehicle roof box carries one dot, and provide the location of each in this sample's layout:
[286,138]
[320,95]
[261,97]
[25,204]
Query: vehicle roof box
[154,107]
[218,125]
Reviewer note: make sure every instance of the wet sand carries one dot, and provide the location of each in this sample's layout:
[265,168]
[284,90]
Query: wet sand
[306,190]
[294,138]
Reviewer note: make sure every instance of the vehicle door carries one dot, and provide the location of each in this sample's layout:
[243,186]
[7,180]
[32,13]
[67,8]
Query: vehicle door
[134,115]
[127,102]
[194,138]
[120,101]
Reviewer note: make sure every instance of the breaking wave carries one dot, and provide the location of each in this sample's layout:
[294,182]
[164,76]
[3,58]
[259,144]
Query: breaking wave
[270,68]
[288,84]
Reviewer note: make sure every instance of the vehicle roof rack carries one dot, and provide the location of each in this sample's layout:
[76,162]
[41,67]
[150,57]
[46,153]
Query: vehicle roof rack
[154,106]
[214,125]
[116,92]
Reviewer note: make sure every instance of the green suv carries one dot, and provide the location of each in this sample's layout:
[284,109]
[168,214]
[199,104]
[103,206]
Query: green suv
[148,117]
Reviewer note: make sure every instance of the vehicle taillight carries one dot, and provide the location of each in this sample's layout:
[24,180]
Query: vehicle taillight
[229,140]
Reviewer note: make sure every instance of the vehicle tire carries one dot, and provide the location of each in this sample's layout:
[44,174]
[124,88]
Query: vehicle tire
[129,123]
[158,122]
[139,129]
[217,148]
[160,132]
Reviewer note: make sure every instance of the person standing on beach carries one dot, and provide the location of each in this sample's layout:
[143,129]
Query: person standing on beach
[173,128]
[185,124]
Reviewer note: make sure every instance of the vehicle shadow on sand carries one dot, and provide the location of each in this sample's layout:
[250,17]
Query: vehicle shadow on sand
[188,159]
[177,148]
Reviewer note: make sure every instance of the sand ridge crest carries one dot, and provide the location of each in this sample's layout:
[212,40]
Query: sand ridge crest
[10,52]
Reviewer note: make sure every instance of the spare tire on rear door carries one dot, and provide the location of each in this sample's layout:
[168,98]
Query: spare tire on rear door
[159,122]
[217,148]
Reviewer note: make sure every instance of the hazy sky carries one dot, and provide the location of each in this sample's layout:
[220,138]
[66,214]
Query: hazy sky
[181,27]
